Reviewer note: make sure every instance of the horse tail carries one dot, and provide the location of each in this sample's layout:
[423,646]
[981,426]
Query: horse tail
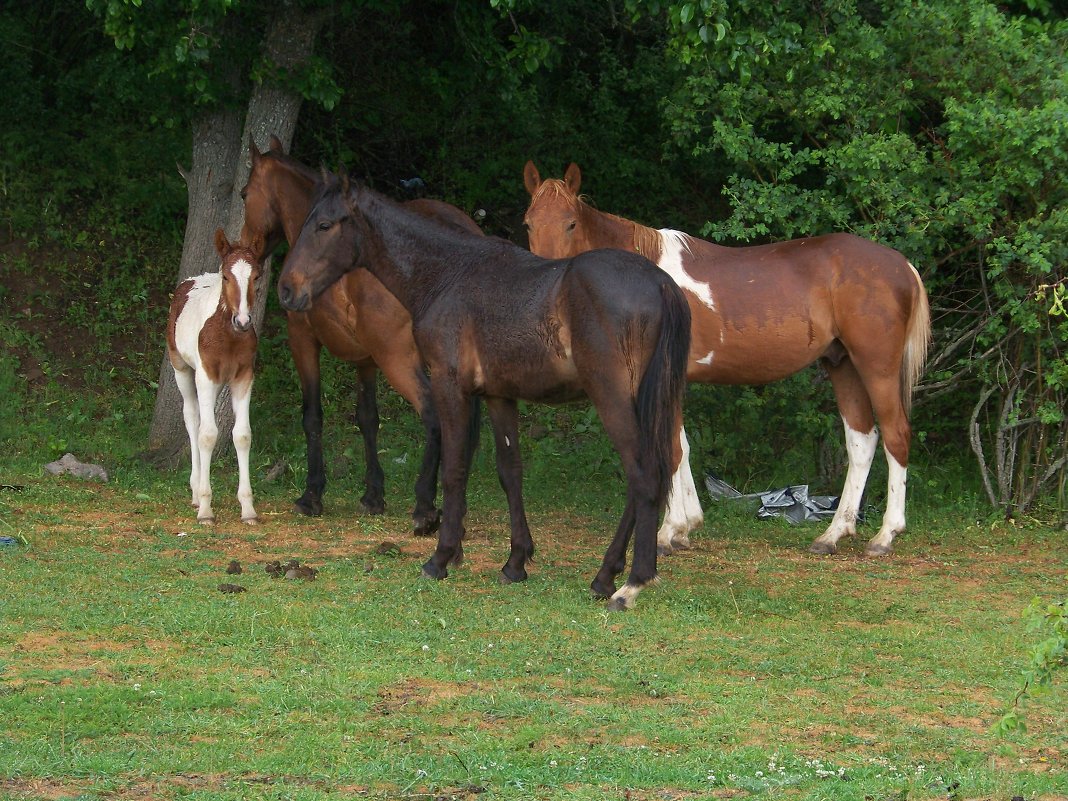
[661,388]
[917,339]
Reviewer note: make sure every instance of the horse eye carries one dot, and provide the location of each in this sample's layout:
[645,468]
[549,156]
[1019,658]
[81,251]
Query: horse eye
[571,225]
[324,226]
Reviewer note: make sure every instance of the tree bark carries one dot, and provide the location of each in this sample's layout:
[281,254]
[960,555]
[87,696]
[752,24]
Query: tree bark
[220,171]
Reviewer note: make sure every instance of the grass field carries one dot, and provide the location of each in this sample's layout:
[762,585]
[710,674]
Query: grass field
[752,669]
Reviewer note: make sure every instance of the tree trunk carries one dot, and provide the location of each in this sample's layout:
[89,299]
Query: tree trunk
[220,171]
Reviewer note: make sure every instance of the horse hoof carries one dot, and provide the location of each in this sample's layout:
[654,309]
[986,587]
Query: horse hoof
[681,543]
[206,521]
[664,550]
[309,507]
[373,507]
[251,521]
[516,576]
[425,526]
[616,605]
[823,548]
[878,550]
[601,592]
[432,571]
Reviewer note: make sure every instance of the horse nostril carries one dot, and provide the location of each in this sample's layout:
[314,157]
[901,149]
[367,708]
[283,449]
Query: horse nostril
[285,294]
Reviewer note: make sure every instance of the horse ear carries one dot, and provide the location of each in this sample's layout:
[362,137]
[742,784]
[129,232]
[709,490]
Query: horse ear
[222,245]
[344,173]
[531,178]
[257,246]
[573,178]
[276,145]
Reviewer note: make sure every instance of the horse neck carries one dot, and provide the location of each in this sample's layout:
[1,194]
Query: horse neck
[292,192]
[605,230]
[414,258]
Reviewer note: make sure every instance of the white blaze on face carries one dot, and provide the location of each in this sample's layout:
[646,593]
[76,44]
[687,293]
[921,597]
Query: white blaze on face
[242,272]
[672,246]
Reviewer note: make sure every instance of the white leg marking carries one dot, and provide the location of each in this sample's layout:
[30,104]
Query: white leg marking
[860,447]
[683,513]
[625,596]
[707,359]
[240,397]
[894,517]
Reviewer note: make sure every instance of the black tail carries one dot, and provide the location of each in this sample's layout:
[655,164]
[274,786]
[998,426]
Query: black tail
[662,386]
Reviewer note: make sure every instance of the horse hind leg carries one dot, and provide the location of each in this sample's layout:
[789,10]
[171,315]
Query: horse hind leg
[897,434]
[683,513]
[373,500]
[861,438]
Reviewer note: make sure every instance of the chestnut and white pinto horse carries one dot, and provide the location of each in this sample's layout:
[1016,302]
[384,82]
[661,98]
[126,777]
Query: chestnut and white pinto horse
[211,343]
[762,313]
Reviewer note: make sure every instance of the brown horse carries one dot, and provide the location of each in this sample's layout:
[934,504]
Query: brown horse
[765,312]
[359,322]
[494,321]
[211,344]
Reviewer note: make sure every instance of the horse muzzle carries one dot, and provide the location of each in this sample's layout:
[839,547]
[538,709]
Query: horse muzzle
[239,326]
[295,300]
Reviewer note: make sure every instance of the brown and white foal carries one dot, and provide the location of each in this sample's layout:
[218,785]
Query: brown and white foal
[211,343]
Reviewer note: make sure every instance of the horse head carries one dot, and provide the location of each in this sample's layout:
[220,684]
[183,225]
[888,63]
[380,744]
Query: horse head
[241,267]
[553,219]
[328,245]
[263,206]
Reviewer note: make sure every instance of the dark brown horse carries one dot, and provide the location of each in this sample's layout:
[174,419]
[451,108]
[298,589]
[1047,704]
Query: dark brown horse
[765,312]
[495,321]
[358,321]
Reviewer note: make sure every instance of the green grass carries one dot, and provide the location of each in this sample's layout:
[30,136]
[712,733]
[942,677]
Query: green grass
[752,669]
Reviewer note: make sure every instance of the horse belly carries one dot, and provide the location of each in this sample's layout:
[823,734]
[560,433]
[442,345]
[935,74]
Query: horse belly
[755,354]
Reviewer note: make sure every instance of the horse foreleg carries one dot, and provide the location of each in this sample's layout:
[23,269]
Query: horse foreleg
[683,513]
[187,386]
[373,499]
[504,414]
[240,397]
[453,410]
[207,391]
[306,353]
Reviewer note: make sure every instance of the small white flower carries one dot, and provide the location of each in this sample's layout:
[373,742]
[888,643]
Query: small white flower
[426,647]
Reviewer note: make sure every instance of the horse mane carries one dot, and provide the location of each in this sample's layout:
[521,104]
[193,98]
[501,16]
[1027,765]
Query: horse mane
[644,240]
